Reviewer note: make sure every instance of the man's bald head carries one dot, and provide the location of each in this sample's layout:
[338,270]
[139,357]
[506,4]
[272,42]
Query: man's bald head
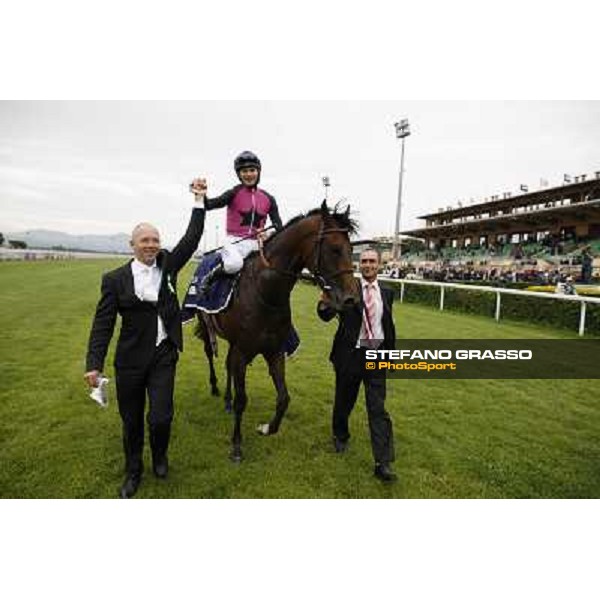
[145,241]
[141,228]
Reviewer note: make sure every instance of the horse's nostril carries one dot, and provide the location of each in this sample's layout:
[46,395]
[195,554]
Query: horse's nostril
[349,301]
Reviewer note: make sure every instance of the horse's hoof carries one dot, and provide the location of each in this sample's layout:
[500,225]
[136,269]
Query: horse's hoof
[263,429]
[228,408]
[235,457]
[215,391]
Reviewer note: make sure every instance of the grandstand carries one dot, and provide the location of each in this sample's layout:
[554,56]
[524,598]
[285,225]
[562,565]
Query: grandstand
[540,236]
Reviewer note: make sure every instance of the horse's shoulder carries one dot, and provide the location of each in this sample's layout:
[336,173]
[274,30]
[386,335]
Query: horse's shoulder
[250,262]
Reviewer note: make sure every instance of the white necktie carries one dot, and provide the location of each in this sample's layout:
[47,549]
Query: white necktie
[149,292]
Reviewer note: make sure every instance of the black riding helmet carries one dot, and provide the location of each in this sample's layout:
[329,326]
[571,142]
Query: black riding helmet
[246,159]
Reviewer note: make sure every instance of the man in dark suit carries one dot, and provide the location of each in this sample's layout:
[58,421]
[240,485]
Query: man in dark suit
[367,325]
[143,292]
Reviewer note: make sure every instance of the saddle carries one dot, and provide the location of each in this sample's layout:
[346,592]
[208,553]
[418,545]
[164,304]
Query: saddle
[217,299]
[218,295]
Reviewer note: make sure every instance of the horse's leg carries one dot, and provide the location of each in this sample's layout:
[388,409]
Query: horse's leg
[203,333]
[238,368]
[277,372]
[229,376]
[214,389]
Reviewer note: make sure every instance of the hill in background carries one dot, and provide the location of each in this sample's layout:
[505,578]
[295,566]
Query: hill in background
[43,238]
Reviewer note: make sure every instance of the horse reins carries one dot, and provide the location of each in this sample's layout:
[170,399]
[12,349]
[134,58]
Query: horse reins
[317,275]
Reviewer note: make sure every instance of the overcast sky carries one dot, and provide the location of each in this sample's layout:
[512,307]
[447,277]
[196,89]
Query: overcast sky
[100,167]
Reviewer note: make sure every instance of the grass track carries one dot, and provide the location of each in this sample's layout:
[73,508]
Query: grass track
[454,439]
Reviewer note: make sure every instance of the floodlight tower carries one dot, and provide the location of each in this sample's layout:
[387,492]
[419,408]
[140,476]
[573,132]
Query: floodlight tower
[326,184]
[402,132]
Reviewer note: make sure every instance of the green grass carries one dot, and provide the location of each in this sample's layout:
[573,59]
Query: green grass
[454,439]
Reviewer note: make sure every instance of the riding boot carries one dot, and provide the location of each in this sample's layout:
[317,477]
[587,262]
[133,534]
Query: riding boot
[210,277]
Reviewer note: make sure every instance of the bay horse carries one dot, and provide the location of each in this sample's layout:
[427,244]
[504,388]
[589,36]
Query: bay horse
[258,319]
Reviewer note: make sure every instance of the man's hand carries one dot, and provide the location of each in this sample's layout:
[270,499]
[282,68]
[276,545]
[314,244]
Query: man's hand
[324,300]
[91,378]
[199,188]
[324,309]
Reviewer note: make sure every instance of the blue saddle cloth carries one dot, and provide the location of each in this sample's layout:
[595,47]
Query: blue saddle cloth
[217,298]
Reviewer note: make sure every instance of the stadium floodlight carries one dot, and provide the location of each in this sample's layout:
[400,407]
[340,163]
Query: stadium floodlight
[402,132]
[326,184]
[402,129]
[566,178]
[524,187]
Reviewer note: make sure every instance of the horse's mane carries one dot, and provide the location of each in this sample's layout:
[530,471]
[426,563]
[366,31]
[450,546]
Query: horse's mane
[342,218]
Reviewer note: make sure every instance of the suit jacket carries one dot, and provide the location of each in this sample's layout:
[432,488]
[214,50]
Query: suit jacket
[137,338]
[350,322]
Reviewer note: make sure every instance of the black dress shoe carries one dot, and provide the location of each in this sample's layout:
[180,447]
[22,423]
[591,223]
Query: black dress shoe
[382,471]
[129,487]
[340,445]
[161,467]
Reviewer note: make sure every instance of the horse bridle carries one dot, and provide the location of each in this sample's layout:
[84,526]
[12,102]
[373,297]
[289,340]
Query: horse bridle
[317,274]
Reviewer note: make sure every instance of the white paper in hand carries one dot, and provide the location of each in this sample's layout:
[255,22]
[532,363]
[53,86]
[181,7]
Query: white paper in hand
[100,394]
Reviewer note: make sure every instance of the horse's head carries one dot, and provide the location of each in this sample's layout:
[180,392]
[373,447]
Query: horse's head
[331,263]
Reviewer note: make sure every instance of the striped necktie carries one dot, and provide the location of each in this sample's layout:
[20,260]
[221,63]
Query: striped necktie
[369,314]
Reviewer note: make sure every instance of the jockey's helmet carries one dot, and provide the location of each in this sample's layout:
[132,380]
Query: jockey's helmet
[246,159]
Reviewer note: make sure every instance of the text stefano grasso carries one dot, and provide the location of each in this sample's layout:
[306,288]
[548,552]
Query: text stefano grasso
[462,354]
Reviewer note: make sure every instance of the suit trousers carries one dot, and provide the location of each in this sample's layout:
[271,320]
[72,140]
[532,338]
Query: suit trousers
[347,385]
[158,381]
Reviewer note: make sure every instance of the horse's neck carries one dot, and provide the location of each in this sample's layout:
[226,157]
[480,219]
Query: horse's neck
[285,256]
[287,252]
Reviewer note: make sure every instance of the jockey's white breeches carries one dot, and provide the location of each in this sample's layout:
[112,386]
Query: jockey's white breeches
[233,255]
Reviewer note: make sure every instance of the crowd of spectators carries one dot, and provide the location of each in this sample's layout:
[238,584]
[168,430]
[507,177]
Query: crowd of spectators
[525,272]
[522,263]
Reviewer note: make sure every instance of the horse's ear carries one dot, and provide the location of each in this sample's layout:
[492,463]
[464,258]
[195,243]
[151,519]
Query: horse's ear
[347,213]
[324,208]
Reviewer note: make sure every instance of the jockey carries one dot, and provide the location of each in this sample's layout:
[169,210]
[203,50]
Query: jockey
[247,209]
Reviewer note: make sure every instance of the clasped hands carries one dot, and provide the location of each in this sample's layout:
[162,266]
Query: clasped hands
[198,187]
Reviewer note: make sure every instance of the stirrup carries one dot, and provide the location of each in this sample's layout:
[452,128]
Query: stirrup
[209,278]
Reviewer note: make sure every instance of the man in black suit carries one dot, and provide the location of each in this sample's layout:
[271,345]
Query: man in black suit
[143,292]
[367,325]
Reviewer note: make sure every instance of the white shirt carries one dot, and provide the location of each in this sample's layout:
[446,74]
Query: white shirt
[376,317]
[146,283]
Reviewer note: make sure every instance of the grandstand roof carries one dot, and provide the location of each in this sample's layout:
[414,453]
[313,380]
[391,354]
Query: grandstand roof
[591,186]
[537,218]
